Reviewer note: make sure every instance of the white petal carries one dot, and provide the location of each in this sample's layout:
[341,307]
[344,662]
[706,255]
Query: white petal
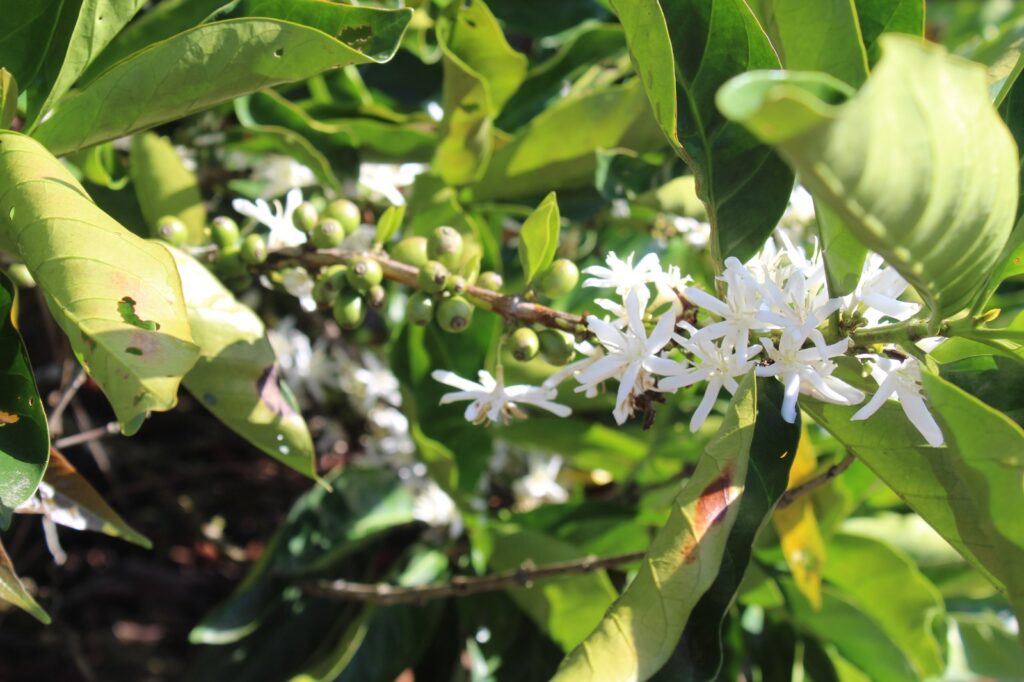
[918,414]
[706,403]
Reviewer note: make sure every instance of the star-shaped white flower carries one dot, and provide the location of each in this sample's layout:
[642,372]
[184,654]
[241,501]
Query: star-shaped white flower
[386,180]
[299,283]
[624,277]
[591,354]
[902,379]
[540,485]
[740,311]
[492,401]
[278,218]
[630,355]
[878,291]
[803,370]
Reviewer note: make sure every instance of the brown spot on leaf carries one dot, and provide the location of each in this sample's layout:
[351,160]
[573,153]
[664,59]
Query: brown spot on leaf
[711,509]
[268,386]
[8,418]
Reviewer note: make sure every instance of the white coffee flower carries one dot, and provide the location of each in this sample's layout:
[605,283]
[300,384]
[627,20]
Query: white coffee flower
[278,218]
[540,485]
[591,354]
[878,292]
[374,382]
[740,311]
[435,507]
[307,366]
[799,211]
[281,174]
[629,355]
[386,180]
[901,379]
[696,232]
[299,283]
[803,370]
[624,277]
[492,401]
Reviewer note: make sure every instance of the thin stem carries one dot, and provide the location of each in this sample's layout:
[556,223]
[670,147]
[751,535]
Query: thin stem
[791,495]
[461,586]
[87,436]
[509,307]
[901,332]
[54,420]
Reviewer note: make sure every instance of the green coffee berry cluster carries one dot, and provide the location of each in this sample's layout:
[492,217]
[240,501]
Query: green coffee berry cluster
[327,230]
[554,345]
[350,289]
[558,279]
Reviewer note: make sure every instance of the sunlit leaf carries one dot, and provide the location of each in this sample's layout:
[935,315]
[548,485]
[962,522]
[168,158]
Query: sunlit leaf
[797,526]
[8,98]
[117,297]
[165,187]
[538,238]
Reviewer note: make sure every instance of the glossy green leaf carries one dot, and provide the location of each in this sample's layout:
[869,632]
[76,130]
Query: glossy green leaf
[86,26]
[8,98]
[67,498]
[555,151]
[389,223]
[117,297]
[772,453]
[24,435]
[842,254]
[795,26]
[273,139]
[684,51]
[886,585]
[538,238]
[918,164]
[102,166]
[213,63]
[25,35]
[164,186]
[640,630]
[877,17]
[967,490]
[567,608]
[13,591]
[237,377]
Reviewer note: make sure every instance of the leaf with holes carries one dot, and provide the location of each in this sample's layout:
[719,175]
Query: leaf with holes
[12,590]
[237,377]
[214,62]
[164,186]
[640,630]
[24,435]
[684,51]
[918,163]
[117,297]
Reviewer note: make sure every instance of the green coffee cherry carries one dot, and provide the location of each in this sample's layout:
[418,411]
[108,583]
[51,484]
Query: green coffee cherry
[457,284]
[364,273]
[172,230]
[224,232]
[445,245]
[346,213]
[559,279]
[524,344]
[556,346]
[420,309]
[254,250]
[238,283]
[228,264]
[490,280]
[454,314]
[433,277]
[376,296]
[349,310]
[411,251]
[329,283]
[328,234]
[306,217]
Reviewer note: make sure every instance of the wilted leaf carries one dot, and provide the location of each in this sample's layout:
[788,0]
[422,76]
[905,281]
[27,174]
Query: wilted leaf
[237,377]
[117,297]
[12,590]
[538,238]
[918,164]
[164,186]
[24,435]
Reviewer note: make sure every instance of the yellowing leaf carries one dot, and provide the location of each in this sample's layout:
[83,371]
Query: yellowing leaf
[797,526]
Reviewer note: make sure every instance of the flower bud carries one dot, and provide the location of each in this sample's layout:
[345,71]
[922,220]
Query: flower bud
[490,280]
[433,276]
[349,310]
[364,273]
[524,344]
[559,279]
[375,296]
[556,346]
[172,230]
[254,250]
[346,213]
[411,251]
[328,234]
[454,314]
[305,217]
[224,232]
[420,310]
[445,245]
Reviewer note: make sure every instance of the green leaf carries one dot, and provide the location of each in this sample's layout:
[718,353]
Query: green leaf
[640,630]
[843,255]
[237,377]
[26,34]
[24,435]
[684,51]
[555,151]
[165,187]
[214,63]
[566,608]
[117,297]
[84,30]
[989,650]
[888,16]
[796,27]
[918,164]
[772,452]
[8,98]
[67,498]
[12,590]
[272,139]
[538,238]
[967,490]
[388,224]
[886,585]
[101,166]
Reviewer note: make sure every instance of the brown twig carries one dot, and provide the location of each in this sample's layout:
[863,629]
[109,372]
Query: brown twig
[87,436]
[509,307]
[833,471]
[461,586]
